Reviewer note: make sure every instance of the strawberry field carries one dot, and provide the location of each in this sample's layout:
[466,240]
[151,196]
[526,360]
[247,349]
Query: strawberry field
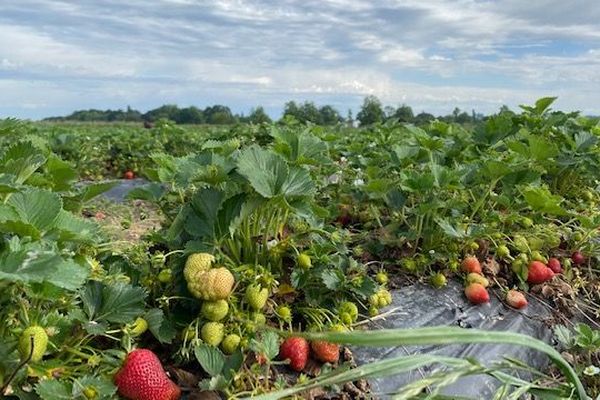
[250,260]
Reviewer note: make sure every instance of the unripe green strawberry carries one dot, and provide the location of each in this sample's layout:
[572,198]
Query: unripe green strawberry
[346,318]
[212,333]
[90,392]
[374,299]
[477,278]
[165,275]
[230,344]
[438,280]
[521,243]
[40,342]
[214,284]
[474,246]
[409,264]
[338,328]
[358,251]
[304,261]
[526,222]
[454,264]
[139,326]
[350,308]
[196,264]
[578,236]
[214,310]
[373,311]
[256,297]
[259,318]
[502,251]
[537,256]
[381,277]
[284,313]
[384,298]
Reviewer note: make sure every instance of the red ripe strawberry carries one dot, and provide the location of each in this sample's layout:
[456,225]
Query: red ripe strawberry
[554,265]
[471,265]
[577,258]
[142,377]
[538,272]
[325,351]
[516,299]
[296,350]
[128,174]
[476,293]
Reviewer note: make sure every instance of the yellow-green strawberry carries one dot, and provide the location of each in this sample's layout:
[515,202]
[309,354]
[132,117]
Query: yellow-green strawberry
[381,277]
[212,333]
[346,318]
[40,342]
[139,326]
[256,297]
[214,310]
[438,280]
[349,308]
[284,312]
[214,284]
[477,278]
[502,251]
[373,311]
[196,264]
[230,343]
[259,318]
[304,261]
[165,275]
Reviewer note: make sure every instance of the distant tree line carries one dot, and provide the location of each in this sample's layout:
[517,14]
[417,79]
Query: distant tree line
[372,111]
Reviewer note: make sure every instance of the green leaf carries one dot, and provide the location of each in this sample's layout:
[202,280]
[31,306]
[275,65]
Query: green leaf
[542,104]
[540,199]
[36,207]
[162,329]
[76,229]
[332,278]
[22,160]
[211,359]
[541,149]
[270,176]
[52,389]
[151,192]
[450,230]
[117,302]
[60,173]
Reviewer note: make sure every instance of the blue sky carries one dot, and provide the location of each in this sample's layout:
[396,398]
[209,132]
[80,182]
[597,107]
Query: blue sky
[58,56]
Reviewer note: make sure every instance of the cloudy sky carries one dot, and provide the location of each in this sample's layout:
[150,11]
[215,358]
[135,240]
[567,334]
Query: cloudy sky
[58,56]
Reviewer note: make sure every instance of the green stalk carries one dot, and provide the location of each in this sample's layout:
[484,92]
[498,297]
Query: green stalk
[446,336]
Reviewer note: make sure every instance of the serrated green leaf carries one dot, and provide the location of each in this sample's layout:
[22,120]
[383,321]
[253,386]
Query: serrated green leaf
[52,389]
[36,207]
[211,359]
[162,329]
[117,302]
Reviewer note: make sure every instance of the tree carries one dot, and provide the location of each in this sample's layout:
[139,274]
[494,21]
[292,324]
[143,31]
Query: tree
[404,113]
[258,116]
[423,118]
[329,115]
[371,111]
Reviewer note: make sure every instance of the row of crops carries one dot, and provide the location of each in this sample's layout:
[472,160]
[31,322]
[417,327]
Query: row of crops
[277,242]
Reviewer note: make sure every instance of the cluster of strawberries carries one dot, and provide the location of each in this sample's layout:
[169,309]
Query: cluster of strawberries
[476,289]
[296,349]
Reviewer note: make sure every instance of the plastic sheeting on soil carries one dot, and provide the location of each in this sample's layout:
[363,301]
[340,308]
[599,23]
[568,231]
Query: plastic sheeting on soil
[421,305]
[118,193]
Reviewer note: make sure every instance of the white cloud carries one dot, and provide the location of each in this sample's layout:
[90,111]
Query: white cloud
[433,54]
